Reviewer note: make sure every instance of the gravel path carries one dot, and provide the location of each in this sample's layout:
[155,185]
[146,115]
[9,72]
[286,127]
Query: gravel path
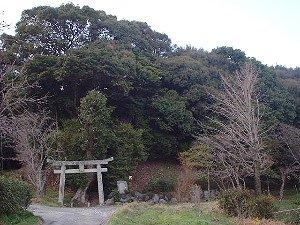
[73,216]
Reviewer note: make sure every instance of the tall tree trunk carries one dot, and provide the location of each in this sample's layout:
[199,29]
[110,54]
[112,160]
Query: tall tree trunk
[40,183]
[268,186]
[283,180]
[208,181]
[257,182]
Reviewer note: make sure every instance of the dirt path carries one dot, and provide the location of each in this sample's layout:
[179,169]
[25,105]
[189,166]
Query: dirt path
[73,216]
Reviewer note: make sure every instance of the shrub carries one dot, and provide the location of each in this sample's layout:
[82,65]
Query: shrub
[243,203]
[115,194]
[77,180]
[184,184]
[147,174]
[234,201]
[161,186]
[15,196]
[261,207]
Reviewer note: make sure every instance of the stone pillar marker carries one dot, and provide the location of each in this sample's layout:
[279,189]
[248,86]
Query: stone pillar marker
[122,186]
[94,167]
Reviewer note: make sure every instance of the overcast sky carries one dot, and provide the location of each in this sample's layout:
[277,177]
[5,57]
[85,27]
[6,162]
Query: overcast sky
[268,30]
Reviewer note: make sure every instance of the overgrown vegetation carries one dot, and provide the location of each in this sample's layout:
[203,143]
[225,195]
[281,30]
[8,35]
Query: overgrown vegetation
[15,196]
[244,203]
[79,84]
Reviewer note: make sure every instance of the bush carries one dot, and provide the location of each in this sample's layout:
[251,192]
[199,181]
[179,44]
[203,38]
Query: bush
[261,207]
[161,186]
[150,175]
[15,196]
[234,202]
[183,188]
[243,203]
[76,181]
[115,194]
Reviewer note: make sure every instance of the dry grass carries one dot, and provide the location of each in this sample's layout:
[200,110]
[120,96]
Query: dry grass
[184,184]
[258,222]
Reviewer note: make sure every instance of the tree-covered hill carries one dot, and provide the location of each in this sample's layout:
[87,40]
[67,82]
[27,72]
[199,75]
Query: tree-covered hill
[118,88]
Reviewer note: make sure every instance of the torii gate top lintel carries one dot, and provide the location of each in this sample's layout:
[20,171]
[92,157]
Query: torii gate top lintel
[84,162]
[81,164]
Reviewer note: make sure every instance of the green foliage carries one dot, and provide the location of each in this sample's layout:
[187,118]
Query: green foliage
[235,56]
[161,186]
[90,136]
[172,113]
[54,31]
[15,195]
[290,201]
[22,218]
[198,156]
[51,195]
[93,109]
[278,103]
[70,138]
[96,135]
[242,202]
[167,215]
[118,88]
[114,194]
[128,151]
[77,180]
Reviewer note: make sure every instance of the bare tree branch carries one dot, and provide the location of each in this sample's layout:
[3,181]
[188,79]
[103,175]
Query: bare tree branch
[238,139]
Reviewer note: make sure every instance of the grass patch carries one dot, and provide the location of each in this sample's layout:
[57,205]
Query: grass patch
[23,218]
[51,198]
[183,214]
[290,201]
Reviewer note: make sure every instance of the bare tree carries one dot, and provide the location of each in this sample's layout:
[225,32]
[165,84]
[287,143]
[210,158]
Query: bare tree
[32,138]
[288,155]
[29,132]
[237,142]
[14,98]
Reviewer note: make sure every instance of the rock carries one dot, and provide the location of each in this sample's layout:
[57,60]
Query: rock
[173,201]
[155,198]
[168,197]
[110,201]
[162,201]
[214,194]
[139,196]
[151,202]
[126,199]
[147,198]
[206,195]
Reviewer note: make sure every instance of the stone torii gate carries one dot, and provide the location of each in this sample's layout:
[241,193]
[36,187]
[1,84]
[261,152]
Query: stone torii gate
[94,167]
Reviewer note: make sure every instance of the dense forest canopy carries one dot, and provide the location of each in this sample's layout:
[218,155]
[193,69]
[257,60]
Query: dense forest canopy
[118,88]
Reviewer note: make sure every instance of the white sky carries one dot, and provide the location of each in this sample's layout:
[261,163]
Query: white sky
[265,29]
